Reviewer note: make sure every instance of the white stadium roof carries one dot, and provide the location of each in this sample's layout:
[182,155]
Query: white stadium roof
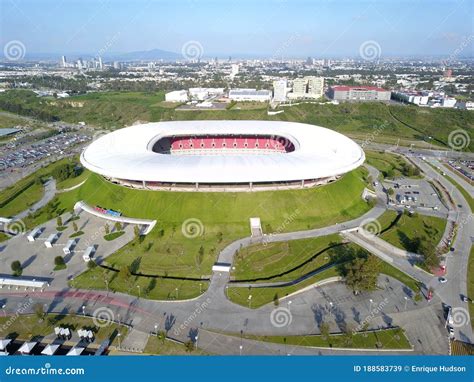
[127,154]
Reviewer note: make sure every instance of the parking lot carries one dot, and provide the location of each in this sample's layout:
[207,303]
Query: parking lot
[38,261]
[417,194]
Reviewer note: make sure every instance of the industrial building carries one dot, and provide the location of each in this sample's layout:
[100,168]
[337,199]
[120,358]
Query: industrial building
[250,95]
[359,93]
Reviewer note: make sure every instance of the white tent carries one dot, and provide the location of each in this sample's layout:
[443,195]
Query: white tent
[75,351]
[27,347]
[4,344]
[50,349]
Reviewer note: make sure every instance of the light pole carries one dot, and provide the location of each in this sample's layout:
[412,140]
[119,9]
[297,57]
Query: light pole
[240,349]
[289,303]
[177,293]
[200,288]
[227,291]
[107,285]
[250,300]
[84,310]
[406,300]
[196,342]
[118,316]
[370,309]
[118,337]
[138,287]
[3,309]
[156,330]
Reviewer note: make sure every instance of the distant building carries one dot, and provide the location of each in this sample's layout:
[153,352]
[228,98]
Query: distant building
[279,90]
[234,70]
[63,61]
[307,87]
[359,93]
[101,64]
[177,96]
[117,65]
[315,87]
[200,94]
[413,97]
[250,95]
[449,102]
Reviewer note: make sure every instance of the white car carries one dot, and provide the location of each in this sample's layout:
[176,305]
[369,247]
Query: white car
[443,280]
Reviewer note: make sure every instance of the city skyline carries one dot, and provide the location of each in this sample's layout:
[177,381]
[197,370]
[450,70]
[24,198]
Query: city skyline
[278,29]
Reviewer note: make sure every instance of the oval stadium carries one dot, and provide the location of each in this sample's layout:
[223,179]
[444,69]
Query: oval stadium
[222,155]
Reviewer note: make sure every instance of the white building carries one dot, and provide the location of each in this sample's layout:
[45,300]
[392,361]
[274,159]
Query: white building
[234,70]
[250,95]
[279,90]
[201,94]
[177,96]
[307,87]
[449,102]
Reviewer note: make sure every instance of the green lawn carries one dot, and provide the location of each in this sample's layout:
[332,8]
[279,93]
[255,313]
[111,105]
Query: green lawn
[262,296]
[151,288]
[409,228]
[25,327]
[25,193]
[261,261]
[470,285]
[390,165]
[157,346]
[220,218]
[71,182]
[464,193]
[381,339]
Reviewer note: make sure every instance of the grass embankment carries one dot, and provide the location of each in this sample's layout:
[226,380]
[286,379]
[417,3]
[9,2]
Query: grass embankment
[26,327]
[409,230]
[391,165]
[214,219]
[393,338]
[146,287]
[470,285]
[268,260]
[159,346]
[409,124]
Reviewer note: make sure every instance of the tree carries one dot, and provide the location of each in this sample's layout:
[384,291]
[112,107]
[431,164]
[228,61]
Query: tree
[276,300]
[39,311]
[59,261]
[361,274]
[325,334]
[16,268]
[74,226]
[107,228]
[118,226]
[136,230]
[200,256]
[91,264]
[431,259]
[189,346]
[59,221]
[390,191]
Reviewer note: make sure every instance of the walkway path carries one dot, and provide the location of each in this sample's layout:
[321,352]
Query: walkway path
[49,192]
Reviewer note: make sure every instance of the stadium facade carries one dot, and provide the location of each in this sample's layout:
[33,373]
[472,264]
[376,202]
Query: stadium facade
[222,155]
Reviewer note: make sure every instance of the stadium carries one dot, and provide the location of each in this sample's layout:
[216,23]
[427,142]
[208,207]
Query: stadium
[222,155]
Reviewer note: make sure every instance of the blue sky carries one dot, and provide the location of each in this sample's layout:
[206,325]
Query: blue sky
[268,27]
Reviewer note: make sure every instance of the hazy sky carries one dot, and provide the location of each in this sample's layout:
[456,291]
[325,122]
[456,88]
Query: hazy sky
[268,27]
